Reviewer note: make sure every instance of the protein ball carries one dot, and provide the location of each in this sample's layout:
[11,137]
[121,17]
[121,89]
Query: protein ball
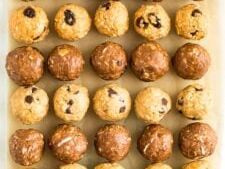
[109,166]
[72,166]
[26,146]
[191,61]
[25,65]
[68,143]
[29,24]
[200,164]
[72,22]
[149,61]
[113,142]
[197,140]
[111,18]
[159,166]
[65,62]
[155,143]
[109,60]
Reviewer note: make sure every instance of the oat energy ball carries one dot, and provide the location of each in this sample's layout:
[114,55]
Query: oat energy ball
[72,22]
[109,60]
[111,18]
[159,166]
[191,61]
[25,65]
[152,22]
[72,166]
[152,104]
[29,24]
[200,164]
[71,102]
[29,104]
[66,62]
[113,142]
[191,22]
[26,146]
[194,101]
[197,140]
[68,143]
[109,166]
[150,61]
[112,103]
[155,143]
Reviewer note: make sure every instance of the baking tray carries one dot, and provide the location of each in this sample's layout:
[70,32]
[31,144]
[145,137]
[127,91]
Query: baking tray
[171,82]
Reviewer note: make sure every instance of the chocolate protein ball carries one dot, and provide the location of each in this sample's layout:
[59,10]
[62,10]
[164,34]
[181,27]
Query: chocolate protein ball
[26,146]
[65,62]
[109,60]
[25,65]
[155,143]
[113,142]
[197,140]
[149,61]
[68,143]
[191,61]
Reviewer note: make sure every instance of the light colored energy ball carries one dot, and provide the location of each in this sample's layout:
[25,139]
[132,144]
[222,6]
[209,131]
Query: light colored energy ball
[72,166]
[200,164]
[159,166]
[109,166]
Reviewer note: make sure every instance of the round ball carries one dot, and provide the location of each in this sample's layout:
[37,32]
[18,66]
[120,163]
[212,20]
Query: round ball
[109,166]
[65,62]
[191,61]
[26,146]
[200,164]
[112,103]
[191,22]
[71,102]
[152,22]
[113,142]
[197,140]
[111,18]
[155,143]
[193,102]
[29,24]
[109,60]
[25,65]
[159,166]
[150,61]
[72,22]
[152,104]
[29,104]
[68,143]
[72,166]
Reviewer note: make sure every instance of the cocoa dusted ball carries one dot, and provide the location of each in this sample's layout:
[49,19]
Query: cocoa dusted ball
[26,146]
[65,62]
[197,140]
[68,143]
[155,143]
[25,65]
[191,61]
[109,60]
[150,61]
[113,142]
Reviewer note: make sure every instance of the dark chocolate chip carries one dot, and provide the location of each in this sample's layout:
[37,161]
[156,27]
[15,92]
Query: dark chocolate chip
[34,89]
[196,13]
[119,63]
[154,20]
[106,5]
[180,102]
[140,22]
[111,92]
[76,92]
[121,100]
[198,89]
[69,17]
[68,89]
[29,12]
[180,111]
[68,111]
[164,101]
[70,102]
[122,109]
[194,33]
[29,99]
[162,111]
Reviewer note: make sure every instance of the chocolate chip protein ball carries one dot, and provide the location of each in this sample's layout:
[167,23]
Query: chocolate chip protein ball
[159,166]
[72,22]
[25,65]
[191,22]
[149,61]
[111,18]
[197,140]
[26,146]
[29,24]
[200,164]
[194,101]
[71,102]
[155,143]
[109,166]
[152,22]
[109,60]
[29,104]
[65,62]
[191,61]
[112,103]
[68,143]
[113,142]
[72,166]
[152,104]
